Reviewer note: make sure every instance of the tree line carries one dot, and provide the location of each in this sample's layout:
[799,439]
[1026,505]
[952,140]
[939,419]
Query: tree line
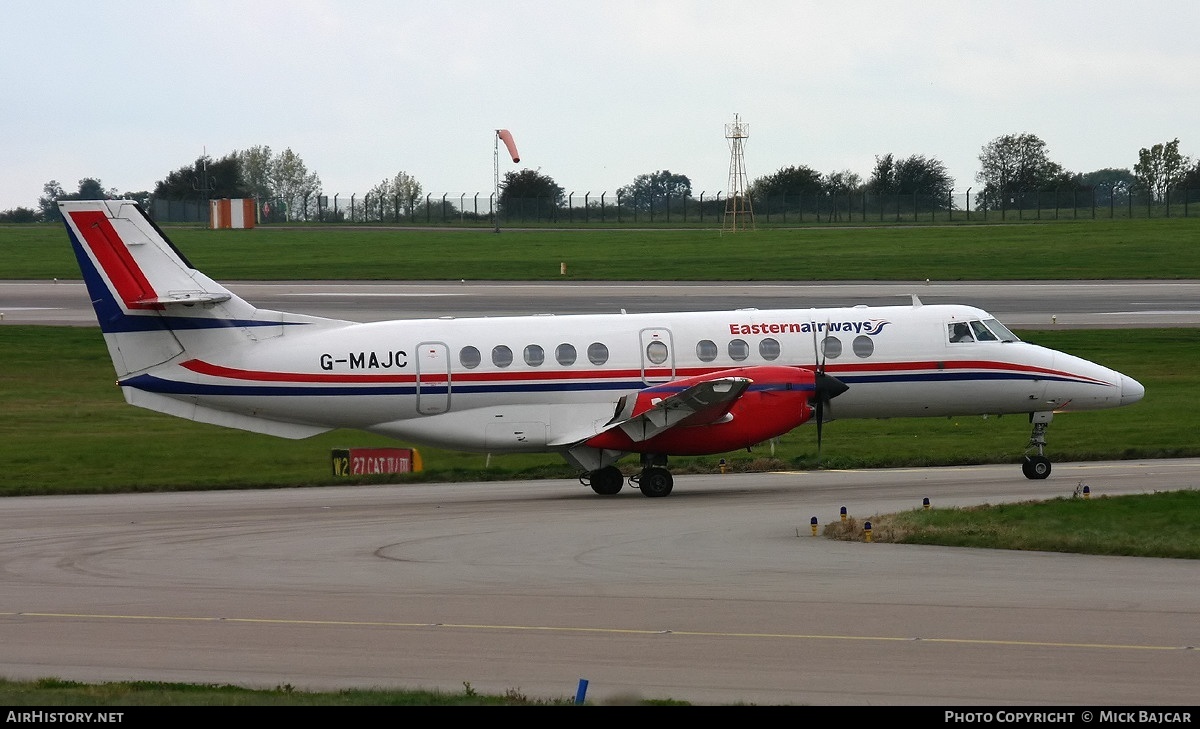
[1010,166]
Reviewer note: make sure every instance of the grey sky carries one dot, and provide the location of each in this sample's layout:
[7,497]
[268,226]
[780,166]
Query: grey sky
[594,93]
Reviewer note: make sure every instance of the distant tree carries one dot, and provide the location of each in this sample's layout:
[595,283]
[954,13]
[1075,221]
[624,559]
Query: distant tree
[883,180]
[841,182]
[255,165]
[294,185]
[204,179]
[529,185]
[922,174]
[373,205]
[656,187]
[392,198]
[1161,167]
[21,215]
[142,197]
[1012,164]
[52,192]
[1110,185]
[407,189]
[1108,177]
[1191,178]
[838,185]
[788,181]
[90,188]
[915,174]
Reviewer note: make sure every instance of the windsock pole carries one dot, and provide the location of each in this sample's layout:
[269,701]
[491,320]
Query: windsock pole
[512,151]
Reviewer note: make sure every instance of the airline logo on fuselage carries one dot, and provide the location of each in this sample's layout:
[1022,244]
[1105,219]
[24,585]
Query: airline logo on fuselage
[870,326]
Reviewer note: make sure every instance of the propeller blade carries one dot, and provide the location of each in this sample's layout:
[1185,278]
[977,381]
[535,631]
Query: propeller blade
[820,424]
[825,388]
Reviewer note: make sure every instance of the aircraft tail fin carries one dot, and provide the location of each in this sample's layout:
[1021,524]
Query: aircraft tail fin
[150,302]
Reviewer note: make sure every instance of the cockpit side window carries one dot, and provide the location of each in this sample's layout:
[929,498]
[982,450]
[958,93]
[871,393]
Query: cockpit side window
[959,331]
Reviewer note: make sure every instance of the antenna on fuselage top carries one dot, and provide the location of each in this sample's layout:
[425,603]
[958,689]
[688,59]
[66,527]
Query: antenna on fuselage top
[916,301]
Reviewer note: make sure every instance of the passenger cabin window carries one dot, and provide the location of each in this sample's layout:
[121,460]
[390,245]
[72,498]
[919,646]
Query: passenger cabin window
[565,354]
[863,346]
[534,355]
[706,350]
[502,356]
[768,349]
[469,357]
[656,352]
[831,347]
[738,350]
[597,353]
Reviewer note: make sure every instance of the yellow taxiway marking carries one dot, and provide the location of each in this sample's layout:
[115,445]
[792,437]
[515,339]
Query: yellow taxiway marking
[612,631]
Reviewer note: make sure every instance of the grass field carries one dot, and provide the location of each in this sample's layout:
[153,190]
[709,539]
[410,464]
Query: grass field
[130,695]
[1086,249]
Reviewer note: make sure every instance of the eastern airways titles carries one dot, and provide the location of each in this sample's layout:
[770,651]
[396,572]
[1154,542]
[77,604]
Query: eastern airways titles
[366,360]
[873,326]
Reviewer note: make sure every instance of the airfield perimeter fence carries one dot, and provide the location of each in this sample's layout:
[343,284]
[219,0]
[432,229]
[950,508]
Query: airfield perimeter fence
[705,209]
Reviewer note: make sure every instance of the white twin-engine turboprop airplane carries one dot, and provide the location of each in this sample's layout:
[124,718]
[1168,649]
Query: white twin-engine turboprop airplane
[593,388]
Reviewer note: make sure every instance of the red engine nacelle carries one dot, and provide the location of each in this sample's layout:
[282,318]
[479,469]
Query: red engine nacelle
[776,401]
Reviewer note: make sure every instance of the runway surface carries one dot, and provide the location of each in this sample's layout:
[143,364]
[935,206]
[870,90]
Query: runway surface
[1019,304]
[718,594]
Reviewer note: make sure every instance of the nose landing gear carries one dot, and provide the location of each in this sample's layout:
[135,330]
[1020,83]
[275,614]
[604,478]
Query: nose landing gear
[1036,467]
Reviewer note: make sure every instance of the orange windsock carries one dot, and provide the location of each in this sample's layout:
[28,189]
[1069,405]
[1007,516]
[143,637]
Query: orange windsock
[508,142]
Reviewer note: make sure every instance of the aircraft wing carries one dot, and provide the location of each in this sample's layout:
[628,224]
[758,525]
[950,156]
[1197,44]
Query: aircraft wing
[650,412]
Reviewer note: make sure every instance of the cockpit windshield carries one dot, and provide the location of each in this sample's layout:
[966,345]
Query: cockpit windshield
[987,330]
[1001,331]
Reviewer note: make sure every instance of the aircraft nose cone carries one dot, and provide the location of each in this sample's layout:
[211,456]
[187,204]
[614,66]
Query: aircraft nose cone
[1131,390]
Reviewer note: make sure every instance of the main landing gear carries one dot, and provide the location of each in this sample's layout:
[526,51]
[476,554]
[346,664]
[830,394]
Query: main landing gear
[1037,467]
[654,480]
[604,481]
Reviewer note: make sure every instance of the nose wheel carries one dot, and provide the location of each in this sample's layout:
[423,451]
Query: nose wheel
[1035,467]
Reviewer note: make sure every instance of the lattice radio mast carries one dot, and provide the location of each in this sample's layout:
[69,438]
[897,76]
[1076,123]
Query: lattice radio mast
[739,214]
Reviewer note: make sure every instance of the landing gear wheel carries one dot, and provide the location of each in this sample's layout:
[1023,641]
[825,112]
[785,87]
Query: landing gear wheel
[656,482]
[607,481]
[1035,467]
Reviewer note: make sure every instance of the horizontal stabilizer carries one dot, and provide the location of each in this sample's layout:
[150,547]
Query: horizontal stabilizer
[187,298]
[224,418]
